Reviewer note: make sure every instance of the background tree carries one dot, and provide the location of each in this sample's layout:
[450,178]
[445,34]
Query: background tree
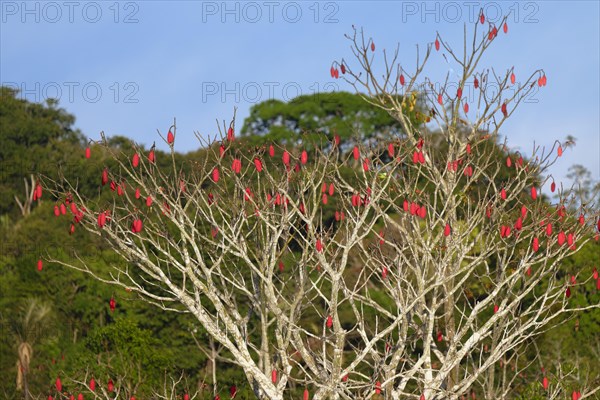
[27,129]
[32,325]
[80,306]
[583,187]
[341,113]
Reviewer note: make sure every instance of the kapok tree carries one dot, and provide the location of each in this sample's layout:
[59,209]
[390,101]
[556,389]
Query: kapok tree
[378,300]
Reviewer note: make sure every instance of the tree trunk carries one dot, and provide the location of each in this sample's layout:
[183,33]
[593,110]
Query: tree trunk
[213,363]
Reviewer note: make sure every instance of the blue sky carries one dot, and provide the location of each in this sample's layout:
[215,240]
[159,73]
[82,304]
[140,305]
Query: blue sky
[130,67]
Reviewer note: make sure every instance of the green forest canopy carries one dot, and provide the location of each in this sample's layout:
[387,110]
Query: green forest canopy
[82,333]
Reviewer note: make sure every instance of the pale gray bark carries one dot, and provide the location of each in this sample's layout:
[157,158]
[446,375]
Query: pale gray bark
[218,258]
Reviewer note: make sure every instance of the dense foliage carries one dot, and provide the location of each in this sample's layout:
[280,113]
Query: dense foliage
[83,338]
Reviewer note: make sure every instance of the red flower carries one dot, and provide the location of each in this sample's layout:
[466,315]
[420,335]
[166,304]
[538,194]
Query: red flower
[136,226]
[319,245]
[274,376]
[101,219]
[519,224]
[286,157]
[304,157]
[447,230]
[536,244]
[561,238]
[258,164]
[236,165]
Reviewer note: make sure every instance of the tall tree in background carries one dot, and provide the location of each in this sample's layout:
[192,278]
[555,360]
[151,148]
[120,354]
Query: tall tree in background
[325,114]
[32,325]
[28,130]
[238,240]
[584,189]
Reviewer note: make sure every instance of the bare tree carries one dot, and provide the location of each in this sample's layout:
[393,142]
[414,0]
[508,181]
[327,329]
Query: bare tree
[430,275]
[32,193]
[584,188]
